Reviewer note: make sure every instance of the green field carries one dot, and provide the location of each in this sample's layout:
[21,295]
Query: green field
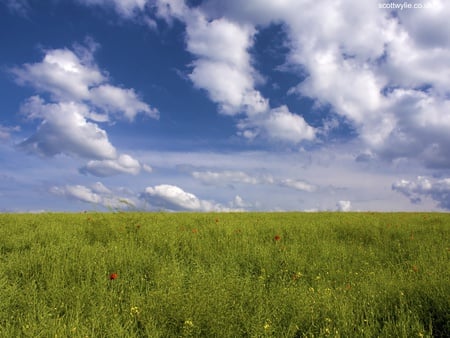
[225,275]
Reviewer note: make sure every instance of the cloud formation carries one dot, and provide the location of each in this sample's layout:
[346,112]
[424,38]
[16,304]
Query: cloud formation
[82,97]
[425,187]
[74,77]
[65,130]
[383,77]
[343,206]
[125,8]
[96,195]
[227,177]
[5,131]
[223,68]
[171,197]
[124,164]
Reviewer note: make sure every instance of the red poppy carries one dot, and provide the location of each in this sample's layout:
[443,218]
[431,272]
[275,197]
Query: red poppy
[277,238]
[113,276]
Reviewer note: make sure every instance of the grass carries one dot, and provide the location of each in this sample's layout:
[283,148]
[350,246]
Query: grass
[225,275]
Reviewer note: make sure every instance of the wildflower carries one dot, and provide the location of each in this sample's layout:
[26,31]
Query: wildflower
[188,324]
[277,238]
[113,276]
[134,311]
[266,325]
[297,275]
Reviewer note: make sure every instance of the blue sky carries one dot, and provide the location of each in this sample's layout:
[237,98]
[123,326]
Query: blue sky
[224,105]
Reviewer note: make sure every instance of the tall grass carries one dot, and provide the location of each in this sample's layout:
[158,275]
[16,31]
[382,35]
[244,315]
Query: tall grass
[225,275]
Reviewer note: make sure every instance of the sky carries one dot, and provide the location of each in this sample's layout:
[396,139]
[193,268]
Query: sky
[262,105]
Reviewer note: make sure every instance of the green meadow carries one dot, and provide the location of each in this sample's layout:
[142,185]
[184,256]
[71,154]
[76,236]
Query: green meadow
[225,275]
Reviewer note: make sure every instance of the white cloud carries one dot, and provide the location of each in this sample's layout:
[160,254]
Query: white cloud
[224,177]
[230,79]
[120,101]
[227,177]
[343,206]
[77,192]
[227,76]
[424,187]
[62,74]
[5,131]
[96,195]
[174,198]
[147,168]
[73,76]
[362,63]
[279,124]
[297,184]
[421,131]
[123,164]
[99,188]
[125,8]
[81,97]
[64,129]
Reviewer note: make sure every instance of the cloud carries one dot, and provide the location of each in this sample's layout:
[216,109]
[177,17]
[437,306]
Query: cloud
[123,164]
[224,177]
[65,130]
[73,76]
[174,198]
[61,73]
[81,98]
[97,195]
[239,177]
[125,8]
[229,77]
[364,65]
[424,187]
[422,126]
[279,124]
[120,101]
[297,184]
[343,206]
[20,7]
[5,131]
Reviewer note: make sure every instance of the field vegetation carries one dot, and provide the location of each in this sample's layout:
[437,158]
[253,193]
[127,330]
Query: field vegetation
[225,275]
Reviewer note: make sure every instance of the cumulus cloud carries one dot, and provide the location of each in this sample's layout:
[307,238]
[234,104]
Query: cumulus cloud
[97,195]
[64,129]
[73,76]
[343,206]
[123,164]
[120,101]
[424,187]
[81,98]
[363,64]
[278,124]
[223,68]
[62,74]
[171,197]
